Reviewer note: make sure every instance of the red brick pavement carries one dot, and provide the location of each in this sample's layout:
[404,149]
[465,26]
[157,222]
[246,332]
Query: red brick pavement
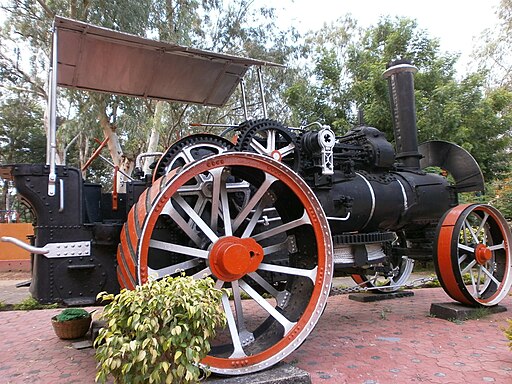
[397,342]
[385,342]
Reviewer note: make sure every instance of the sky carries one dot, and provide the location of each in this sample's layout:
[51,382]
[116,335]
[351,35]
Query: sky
[457,23]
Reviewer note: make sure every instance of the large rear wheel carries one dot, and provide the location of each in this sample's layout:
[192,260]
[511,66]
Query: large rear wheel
[228,240]
[472,258]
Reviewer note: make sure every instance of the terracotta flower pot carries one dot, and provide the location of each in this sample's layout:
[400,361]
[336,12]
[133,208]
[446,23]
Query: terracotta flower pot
[71,329]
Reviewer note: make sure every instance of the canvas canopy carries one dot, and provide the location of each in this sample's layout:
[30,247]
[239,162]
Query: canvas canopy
[104,60]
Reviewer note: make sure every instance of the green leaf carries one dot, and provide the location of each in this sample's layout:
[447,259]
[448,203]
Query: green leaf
[141,356]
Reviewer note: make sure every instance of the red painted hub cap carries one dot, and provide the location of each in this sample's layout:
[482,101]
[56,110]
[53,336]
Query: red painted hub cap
[232,257]
[482,254]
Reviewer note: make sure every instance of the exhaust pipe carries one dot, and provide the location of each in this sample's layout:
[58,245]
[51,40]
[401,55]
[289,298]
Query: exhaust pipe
[400,75]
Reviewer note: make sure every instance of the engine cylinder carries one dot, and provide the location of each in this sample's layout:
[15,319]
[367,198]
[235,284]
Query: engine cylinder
[387,201]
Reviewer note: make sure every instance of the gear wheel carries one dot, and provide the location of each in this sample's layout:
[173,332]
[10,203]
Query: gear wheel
[189,149]
[271,138]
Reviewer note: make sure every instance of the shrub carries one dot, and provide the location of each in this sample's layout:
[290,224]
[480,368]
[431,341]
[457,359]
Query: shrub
[159,332]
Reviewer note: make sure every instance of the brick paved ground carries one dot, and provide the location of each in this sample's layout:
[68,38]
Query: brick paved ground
[385,342]
[397,342]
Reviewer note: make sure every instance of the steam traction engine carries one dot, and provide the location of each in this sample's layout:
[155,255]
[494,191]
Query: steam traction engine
[273,216]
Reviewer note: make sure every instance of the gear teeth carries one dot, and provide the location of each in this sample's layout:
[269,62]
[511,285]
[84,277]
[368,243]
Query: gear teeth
[250,128]
[202,138]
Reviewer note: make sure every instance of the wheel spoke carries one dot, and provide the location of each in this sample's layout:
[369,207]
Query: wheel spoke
[310,273]
[471,231]
[195,218]
[202,273]
[466,248]
[490,275]
[482,224]
[199,206]
[245,336]
[180,221]
[468,267]
[271,140]
[172,269]
[186,155]
[216,187]
[190,190]
[238,186]
[497,246]
[258,147]
[264,284]
[474,284]
[255,199]
[282,246]
[287,324]
[182,249]
[254,219]
[235,338]
[283,227]
[226,215]
[290,148]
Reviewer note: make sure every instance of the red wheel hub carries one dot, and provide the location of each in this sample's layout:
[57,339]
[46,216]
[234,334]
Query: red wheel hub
[276,155]
[232,257]
[482,254]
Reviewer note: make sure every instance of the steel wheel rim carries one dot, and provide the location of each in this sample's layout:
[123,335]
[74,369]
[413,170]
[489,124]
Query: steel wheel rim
[387,284]
[313,221]
[402,269]
[464,232]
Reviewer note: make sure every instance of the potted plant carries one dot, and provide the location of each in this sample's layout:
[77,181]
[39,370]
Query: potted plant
[71,323]
[159,332]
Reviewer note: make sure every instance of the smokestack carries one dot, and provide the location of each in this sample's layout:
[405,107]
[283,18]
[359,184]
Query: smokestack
[400,75]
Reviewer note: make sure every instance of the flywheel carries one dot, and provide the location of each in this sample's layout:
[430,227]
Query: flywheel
[224,237]
[472,257]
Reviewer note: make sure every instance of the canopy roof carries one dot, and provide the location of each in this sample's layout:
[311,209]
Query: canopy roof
[100,59]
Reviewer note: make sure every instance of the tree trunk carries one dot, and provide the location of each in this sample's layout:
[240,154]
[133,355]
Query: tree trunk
[154,138]
[116,153]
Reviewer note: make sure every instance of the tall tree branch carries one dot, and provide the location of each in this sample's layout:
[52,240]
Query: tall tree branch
[38,89]
[46,8]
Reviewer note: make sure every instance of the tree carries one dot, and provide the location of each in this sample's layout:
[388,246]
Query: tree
[131,123]
[494,53]
[321,91]
[462,111]
[22,138]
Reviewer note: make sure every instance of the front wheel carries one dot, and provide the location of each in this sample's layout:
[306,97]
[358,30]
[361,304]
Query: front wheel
[472,257]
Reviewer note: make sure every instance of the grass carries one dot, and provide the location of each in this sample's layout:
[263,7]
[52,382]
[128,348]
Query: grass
[384,313]
[30,304]
[477,313]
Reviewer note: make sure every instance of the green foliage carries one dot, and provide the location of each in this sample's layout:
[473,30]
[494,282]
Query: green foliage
[72,314]
[22,138]
[159,332]
[432,283]
[502,196]
[30,304]
[347,77]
